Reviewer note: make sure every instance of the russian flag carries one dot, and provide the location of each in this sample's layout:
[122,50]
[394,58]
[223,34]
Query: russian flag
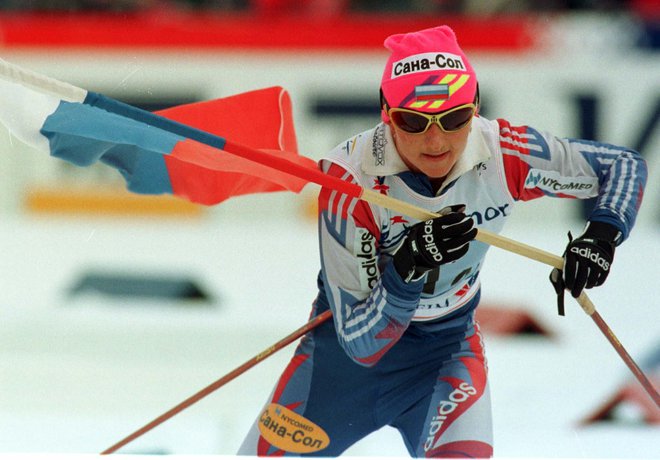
[156,155]
[439,92]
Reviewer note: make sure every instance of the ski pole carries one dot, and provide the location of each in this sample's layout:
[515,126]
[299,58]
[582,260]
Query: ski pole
[311,324]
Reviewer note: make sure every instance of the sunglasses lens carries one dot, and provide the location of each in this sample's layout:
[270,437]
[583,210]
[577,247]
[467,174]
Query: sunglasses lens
[409,122]
[455,120]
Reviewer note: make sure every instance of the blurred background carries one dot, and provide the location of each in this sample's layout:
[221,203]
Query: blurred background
[115,307]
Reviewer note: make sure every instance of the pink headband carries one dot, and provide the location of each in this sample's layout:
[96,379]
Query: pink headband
[427,71]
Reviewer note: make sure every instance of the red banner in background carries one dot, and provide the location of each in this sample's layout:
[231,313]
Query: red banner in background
[211,30]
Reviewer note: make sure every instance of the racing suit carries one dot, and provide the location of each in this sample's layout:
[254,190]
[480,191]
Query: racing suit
[410,355]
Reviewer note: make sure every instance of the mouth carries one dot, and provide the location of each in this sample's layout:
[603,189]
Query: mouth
[435,156]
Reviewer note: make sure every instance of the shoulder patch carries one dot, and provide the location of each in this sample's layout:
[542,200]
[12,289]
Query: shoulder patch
[552,183]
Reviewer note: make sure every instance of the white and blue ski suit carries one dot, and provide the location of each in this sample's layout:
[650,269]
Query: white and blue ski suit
[410,355]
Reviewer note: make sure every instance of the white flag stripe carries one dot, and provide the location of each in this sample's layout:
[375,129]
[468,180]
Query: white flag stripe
[23,112]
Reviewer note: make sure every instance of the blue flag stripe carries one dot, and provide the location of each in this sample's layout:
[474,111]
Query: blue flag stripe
[83,135]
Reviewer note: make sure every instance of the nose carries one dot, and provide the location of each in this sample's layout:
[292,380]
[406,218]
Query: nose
[434,135]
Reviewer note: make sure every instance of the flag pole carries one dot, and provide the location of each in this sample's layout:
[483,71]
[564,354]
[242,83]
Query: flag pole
[335,183]
[15,73]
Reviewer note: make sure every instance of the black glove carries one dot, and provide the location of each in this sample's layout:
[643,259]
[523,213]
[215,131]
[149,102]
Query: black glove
[434,242]
[587,259]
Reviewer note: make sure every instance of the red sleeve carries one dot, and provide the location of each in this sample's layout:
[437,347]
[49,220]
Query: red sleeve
[513,144]
[339,205]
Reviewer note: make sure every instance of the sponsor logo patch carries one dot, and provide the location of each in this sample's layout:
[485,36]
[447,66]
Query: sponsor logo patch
[446,413]
[365,250]
[378,146]
[553,182]
[291,432]
[429,241]
[490,213]
[593,256]
[425,62]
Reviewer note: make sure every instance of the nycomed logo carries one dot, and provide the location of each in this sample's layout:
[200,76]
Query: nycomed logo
[291,432]
[553,182]
[533,179]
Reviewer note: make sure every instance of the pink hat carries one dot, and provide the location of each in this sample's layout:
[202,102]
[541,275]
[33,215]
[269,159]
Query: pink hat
[427,71]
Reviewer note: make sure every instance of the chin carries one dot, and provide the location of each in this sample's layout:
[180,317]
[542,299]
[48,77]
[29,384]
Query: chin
[434,173]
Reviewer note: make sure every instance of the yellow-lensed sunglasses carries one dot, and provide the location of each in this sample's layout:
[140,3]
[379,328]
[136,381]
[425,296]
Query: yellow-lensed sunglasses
[414,122]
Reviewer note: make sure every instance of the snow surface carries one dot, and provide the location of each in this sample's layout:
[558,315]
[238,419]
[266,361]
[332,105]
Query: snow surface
[78,372]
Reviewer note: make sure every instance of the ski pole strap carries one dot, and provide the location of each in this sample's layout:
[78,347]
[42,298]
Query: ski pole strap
[557,280]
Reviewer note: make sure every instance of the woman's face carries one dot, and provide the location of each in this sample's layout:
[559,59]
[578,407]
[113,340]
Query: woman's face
[433,152]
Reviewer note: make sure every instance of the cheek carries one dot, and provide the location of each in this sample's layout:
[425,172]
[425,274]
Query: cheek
[460,146]
[459,140]
[410,142]
[412,150]
[403,142]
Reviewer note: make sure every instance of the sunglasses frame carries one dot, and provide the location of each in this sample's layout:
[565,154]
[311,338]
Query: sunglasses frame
[433,117]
